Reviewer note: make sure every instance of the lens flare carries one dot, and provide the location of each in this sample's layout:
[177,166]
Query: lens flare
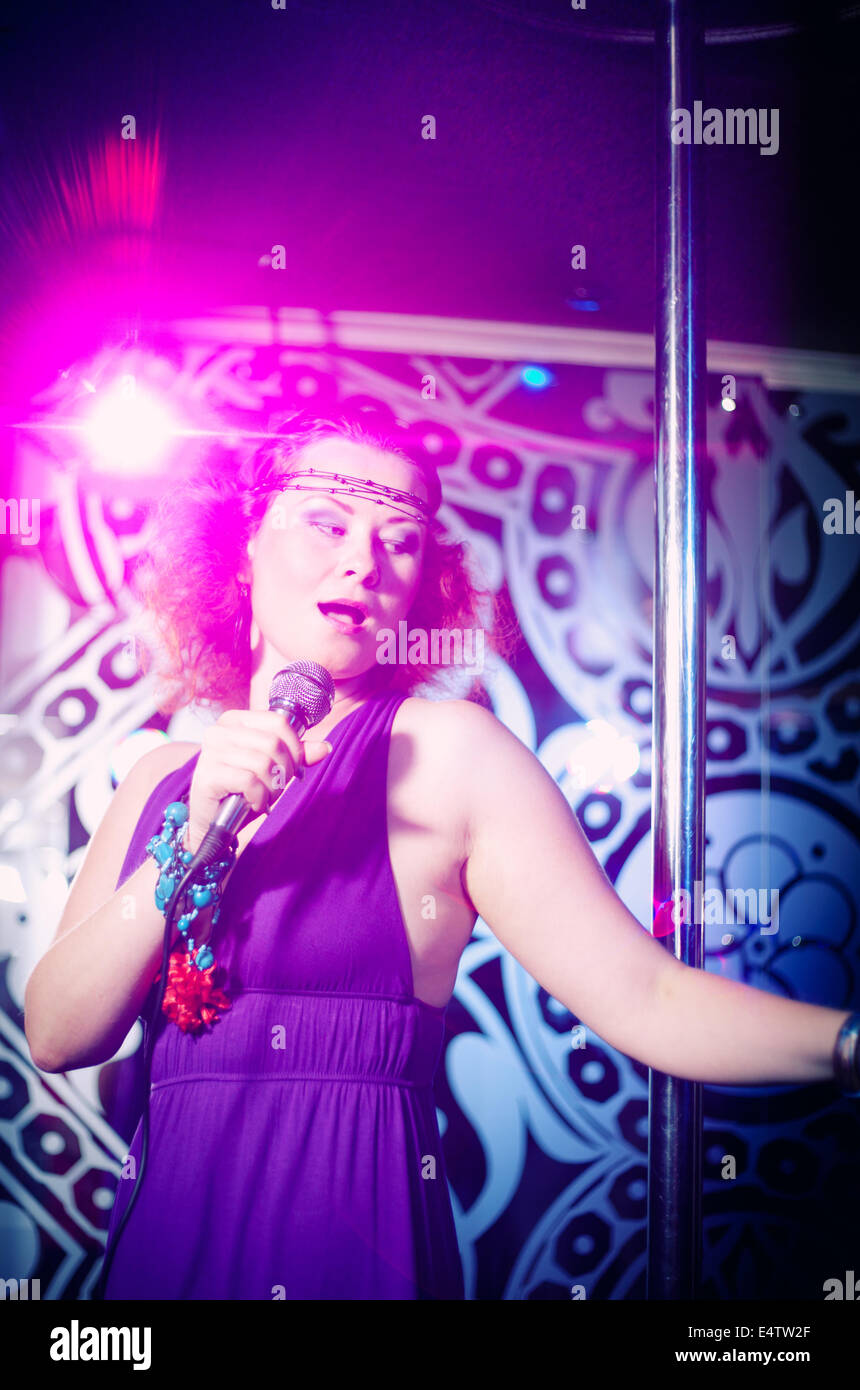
[129,430]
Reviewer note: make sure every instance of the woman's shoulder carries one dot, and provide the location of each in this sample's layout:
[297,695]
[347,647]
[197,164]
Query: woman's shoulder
[443,709]
[448,728]
[99,872]
[448,742]
[152,767]
[442,751]
[144,777]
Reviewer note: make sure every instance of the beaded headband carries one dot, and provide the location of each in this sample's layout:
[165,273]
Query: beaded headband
[363,487]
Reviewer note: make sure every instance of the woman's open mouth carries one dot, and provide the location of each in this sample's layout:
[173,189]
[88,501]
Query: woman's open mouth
[346,617]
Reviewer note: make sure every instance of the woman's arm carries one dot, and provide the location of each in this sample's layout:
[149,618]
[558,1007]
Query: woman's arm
[536,882]
[85,993]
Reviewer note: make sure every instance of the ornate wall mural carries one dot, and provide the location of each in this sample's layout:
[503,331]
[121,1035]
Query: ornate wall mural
[544,1123]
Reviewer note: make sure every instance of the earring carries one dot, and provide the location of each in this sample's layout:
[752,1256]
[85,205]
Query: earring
[242,627]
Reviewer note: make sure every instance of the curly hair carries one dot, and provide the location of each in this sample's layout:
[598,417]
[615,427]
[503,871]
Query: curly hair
[188,576]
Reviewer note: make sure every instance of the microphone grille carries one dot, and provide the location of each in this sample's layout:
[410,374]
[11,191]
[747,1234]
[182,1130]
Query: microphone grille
[306,685]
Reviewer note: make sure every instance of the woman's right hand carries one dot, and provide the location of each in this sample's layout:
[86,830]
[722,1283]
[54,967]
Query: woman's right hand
[254,752]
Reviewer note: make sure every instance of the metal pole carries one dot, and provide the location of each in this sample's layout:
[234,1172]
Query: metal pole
[675,1105]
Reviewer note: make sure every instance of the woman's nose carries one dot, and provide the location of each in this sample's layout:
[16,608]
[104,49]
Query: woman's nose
[361,560]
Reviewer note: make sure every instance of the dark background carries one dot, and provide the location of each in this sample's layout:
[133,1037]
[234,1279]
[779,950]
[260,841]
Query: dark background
[303,127]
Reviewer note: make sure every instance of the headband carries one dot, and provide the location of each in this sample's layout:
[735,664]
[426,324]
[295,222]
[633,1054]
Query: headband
[363,487]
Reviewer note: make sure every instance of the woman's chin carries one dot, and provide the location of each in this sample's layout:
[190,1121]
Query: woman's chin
[344,656]
[341,665]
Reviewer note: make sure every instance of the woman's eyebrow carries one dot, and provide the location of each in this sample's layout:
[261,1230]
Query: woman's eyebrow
[326,497]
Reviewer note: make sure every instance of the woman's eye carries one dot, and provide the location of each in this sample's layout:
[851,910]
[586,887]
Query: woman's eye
[330,528]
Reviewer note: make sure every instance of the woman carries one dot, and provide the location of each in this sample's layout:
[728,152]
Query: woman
[352,898]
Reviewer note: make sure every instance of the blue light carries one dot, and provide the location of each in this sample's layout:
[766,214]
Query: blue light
[536,377]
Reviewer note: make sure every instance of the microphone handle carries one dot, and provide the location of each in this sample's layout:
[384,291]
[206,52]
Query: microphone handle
[235,811]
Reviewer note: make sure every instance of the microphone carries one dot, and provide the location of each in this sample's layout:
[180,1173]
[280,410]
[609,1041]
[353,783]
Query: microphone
[304,691]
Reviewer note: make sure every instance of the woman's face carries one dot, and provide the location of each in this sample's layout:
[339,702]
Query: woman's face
[317,548]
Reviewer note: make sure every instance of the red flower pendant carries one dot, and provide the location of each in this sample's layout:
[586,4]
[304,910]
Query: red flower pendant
[191,1000]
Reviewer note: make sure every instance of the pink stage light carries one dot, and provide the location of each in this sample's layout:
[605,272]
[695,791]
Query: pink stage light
[129,430]
[600,757]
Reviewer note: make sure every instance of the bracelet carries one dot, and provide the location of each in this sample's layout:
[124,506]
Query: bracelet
[191,998]
[846,1056]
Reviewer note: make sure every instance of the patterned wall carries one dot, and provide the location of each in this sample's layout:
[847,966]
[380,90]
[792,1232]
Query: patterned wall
[545,1142]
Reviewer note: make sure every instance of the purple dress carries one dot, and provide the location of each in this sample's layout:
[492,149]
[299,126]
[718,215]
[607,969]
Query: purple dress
[294,1150]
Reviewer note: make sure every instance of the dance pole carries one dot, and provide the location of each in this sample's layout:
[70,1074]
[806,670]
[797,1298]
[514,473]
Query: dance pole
[678,757]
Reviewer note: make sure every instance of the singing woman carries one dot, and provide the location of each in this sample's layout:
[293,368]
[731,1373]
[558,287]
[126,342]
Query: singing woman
[294,1149]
